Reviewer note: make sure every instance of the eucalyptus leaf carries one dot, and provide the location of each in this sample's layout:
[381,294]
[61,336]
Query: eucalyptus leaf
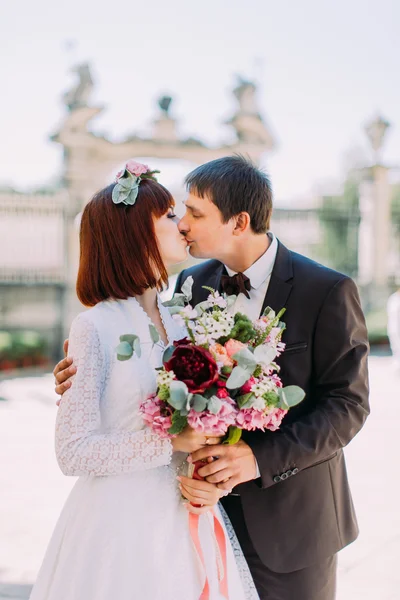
[199,403]
[168,352]
[155,336]
[133,194]
[214,405]
[237,378]
[187,288]
[118,195]
[290,396]
[246,360]
[178,394]
[124,351]
[264,354]
[244,400]
[176,300]
[128,337]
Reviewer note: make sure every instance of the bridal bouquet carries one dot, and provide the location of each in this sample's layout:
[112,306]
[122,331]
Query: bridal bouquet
[222,378]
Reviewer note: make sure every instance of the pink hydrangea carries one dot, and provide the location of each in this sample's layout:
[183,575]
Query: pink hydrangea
[136,168]
[157,415]
[273,419]
[206,422]
[250,419]
[233,346]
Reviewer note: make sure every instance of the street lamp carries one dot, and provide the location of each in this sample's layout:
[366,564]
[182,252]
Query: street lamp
[376,130]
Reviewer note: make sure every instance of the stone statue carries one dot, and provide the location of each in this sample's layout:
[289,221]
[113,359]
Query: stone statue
[164,103]
[79,95]
[245,92]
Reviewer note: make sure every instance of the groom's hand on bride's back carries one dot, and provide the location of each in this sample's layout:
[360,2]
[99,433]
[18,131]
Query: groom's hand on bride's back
[63,371]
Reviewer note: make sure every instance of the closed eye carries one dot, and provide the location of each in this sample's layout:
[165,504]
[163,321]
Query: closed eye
[171,215]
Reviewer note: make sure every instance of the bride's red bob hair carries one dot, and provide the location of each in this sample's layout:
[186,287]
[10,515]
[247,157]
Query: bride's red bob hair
[119,254]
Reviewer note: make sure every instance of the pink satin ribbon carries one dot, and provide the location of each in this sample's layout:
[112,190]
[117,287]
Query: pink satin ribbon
[221,543]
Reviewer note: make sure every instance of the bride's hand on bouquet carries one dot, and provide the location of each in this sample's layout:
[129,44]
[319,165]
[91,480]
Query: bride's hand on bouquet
[201,493]
[190,440]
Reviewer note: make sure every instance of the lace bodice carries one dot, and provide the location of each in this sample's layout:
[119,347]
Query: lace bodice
[99,429]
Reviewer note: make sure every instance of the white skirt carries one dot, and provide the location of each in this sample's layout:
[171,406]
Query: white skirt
[127,537]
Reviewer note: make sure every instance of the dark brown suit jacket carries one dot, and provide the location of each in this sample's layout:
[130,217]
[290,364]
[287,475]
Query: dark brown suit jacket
[300,510]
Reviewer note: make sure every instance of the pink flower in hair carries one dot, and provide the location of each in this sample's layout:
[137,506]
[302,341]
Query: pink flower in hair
[136,168]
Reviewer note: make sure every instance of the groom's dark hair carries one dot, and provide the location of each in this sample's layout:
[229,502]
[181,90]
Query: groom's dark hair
[234,184]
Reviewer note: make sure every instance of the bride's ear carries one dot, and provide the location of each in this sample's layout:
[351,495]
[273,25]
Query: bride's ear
[242,223]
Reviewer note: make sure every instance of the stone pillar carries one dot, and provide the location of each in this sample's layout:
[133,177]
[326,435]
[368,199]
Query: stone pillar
[374,231]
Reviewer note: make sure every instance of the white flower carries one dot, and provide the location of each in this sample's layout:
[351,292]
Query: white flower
[216,299]
[165,378]
[262,387]
[258,402]
[178,320]
[189,312]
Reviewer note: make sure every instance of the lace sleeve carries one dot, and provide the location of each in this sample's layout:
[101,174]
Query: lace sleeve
[80,447]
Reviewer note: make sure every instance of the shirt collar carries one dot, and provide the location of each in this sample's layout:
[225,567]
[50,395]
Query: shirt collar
[262,268]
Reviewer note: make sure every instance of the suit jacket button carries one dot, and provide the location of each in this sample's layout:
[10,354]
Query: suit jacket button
[294,471]
[289,472]
[277,478]
[284,476]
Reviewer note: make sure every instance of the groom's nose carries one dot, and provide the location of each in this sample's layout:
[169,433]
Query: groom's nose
[183,226]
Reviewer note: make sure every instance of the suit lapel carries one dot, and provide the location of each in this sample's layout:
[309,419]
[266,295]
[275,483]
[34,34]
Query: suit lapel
[213,280]
[280,284]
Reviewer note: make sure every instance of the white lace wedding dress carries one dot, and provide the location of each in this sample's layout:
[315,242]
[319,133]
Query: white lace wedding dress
[123,532]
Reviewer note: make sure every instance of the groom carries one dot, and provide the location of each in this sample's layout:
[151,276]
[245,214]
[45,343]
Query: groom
[290,502]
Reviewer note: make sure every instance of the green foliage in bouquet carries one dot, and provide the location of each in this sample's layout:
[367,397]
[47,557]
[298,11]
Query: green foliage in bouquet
[243,330]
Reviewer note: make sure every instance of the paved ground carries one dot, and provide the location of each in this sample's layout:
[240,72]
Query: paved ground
[32,490]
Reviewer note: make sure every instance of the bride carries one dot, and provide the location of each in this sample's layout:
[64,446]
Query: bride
[124,531]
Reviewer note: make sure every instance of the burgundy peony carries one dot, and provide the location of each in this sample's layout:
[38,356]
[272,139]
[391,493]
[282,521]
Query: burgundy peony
[194,366]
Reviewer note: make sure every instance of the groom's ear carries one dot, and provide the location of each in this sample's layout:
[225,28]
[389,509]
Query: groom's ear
[242,223]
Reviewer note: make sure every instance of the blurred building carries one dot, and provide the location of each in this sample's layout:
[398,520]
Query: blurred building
[357,232]
[39,232]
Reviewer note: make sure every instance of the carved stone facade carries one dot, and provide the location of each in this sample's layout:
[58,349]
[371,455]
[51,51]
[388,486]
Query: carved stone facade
[89,158]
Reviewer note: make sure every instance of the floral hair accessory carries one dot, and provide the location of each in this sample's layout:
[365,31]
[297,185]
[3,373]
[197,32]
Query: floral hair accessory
[128,180]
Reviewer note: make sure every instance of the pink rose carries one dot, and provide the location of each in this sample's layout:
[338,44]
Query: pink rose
[233,346]
[136,168]
[222,393]
[246,388]
[220,354]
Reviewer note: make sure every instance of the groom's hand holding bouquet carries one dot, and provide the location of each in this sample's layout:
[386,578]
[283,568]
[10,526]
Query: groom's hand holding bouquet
[219,380]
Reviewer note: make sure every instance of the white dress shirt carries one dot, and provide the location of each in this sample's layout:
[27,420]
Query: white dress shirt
[259,274]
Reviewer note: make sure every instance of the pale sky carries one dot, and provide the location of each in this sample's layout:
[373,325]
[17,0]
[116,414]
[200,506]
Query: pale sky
[324,68]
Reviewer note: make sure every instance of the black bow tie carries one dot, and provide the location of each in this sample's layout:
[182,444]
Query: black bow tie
[236,284]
